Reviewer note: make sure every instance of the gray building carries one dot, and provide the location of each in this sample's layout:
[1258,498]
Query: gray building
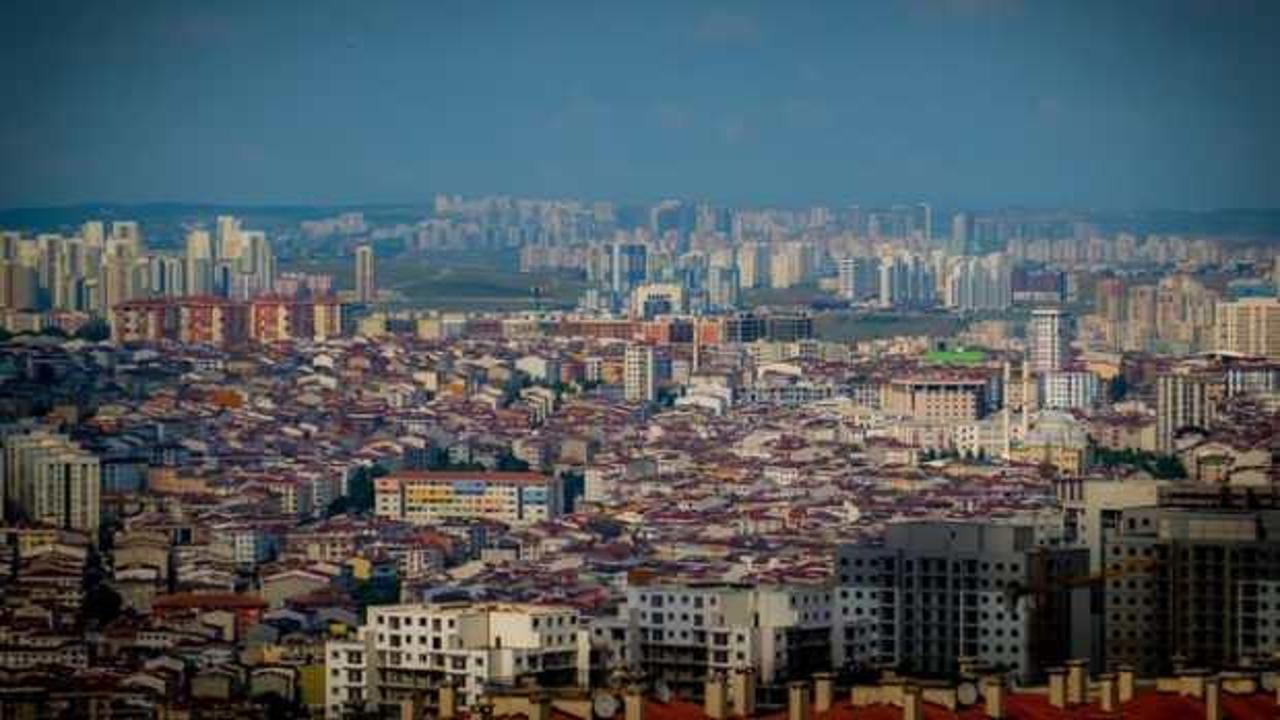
[936,591]
[1190,584]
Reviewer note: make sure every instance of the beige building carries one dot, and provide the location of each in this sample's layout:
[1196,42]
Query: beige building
[50,480]
[951,399]
[1249,327]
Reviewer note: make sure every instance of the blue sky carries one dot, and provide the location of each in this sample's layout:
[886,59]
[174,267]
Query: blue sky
[978,103]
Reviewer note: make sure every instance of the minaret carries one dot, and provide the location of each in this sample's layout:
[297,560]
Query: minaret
[1004,412]
[1026,397]
[697,345]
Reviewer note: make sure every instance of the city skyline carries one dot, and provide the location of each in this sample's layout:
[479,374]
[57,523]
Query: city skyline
[646,361]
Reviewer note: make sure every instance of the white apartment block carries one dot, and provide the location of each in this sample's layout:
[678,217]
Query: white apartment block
[406,653]
[51,481]
[680,633]
[640,374]
[1069,390]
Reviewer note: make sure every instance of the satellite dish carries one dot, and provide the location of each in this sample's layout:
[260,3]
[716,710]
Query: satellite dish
[1270,681]
[967,693]
[663,691]
[605,705]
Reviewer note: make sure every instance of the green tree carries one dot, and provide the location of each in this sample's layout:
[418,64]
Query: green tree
[510,463]
[360,494]
[96,330]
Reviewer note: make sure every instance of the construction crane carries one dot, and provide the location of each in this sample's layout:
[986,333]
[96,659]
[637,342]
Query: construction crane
[1043,586]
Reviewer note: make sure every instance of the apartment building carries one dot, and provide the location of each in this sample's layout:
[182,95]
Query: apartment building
[48,479]
[515,498]
[1184,399]
[1249,327]
[411,658]
[935,591]
[1069,390]
[942,399]
[680,633]
[640,374]
[1190,584]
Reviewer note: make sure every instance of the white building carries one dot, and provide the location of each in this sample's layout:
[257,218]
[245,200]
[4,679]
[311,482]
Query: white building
[1069,390]
[406,656]
[680,633]
[366,290]
[1047,339]
[51,480]
[640,374]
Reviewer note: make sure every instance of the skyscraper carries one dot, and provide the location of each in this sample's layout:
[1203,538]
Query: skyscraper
[366,291]
[639,374]
[961,232]
[226,238]
[199,270]
[1048,339]
[630,266]
[906,280]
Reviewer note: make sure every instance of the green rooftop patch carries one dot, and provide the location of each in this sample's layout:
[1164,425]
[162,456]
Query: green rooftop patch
[956,357]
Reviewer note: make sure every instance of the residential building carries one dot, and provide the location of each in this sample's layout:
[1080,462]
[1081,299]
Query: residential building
[1181,584]
[1250,326]
[1048,339]
[429,658]
[1184,399]
[366,289]
[680,633]
[640,374]
[49,480]
[514,498]
[936,591]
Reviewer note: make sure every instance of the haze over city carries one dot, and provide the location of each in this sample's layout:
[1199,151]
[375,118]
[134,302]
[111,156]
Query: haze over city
[978,103]
[909,359]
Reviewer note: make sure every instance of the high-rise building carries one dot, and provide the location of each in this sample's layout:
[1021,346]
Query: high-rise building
[1185,313]
[630,266]
[1069,390]
[682,633]
[925,212]
[94,233]
[1186,399]
[1190,584]
[366,290]
[936,591]
[906,280]
[126,238]
[1249,327]
[859,278]
[722,287]
[257,263]
[226,238]
[640,374]
[753,264]
[1048,339]
[1140,321]
[199,263]
[961,234]
[976,284]
[51,481]
[789,264]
